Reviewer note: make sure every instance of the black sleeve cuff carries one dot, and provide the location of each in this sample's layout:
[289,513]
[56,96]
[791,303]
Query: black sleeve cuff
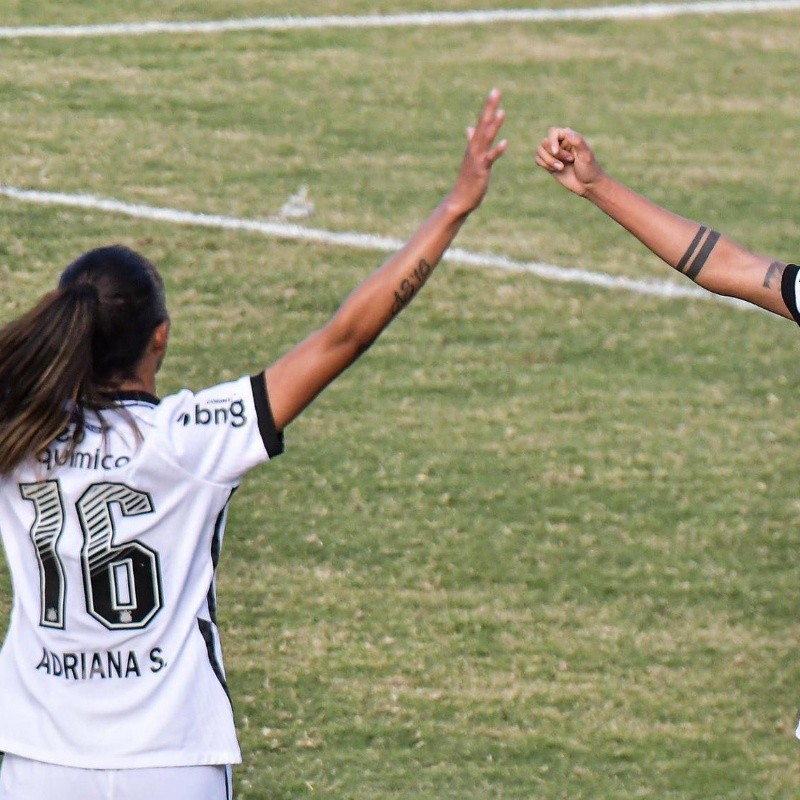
[789,290]
[270,435]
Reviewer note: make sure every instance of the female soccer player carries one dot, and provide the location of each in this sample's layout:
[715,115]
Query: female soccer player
[709,259]
[112,508]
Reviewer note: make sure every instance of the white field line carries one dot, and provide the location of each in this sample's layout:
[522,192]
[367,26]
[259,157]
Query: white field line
[620,12]
[363,241]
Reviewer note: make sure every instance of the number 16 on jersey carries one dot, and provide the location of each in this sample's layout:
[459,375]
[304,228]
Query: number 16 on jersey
[121,582]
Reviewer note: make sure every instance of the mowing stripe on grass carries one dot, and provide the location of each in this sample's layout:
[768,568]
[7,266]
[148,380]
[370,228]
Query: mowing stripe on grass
[363,241]
[622,12]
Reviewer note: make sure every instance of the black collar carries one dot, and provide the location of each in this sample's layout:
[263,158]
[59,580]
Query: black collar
[128,395]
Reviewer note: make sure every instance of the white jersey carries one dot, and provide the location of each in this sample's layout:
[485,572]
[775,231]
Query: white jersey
[112,658]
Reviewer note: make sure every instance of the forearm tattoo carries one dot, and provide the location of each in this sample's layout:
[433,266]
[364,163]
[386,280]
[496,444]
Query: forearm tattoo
[695,257]
[774,273]
[410,286]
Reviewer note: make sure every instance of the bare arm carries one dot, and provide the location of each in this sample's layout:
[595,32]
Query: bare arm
[296,378]
[710,259]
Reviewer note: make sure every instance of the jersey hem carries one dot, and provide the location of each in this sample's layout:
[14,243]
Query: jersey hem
[161,759]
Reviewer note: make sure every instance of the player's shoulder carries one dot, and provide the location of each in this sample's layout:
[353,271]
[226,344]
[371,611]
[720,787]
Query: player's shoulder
[218,433]
[224,404]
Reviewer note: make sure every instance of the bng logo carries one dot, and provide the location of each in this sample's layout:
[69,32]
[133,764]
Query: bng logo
[224,414]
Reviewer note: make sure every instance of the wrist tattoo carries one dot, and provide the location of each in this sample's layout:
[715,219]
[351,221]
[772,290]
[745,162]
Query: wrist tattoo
[774,272]
[410,286]
[695,257]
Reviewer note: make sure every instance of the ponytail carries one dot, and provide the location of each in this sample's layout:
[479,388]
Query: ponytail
[74,347]
[45,372]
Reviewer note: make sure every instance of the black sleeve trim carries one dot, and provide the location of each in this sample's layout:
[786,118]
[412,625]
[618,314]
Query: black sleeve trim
[788,284]
[270,435]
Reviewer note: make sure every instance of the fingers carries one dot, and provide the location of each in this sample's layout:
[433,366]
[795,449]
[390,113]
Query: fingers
[491,107]
[558,149]
[496,151]
[489,122]
[549,161]
[481,147]
[562,138]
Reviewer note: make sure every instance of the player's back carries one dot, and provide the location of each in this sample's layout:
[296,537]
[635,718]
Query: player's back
[112,649]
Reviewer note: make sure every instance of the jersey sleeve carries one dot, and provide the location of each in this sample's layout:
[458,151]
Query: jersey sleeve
[790,288]
[220,433]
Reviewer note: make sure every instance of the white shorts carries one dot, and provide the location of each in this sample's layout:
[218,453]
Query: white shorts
[23,779]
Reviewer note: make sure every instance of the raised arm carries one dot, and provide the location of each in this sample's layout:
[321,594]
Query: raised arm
[296,378]
[710,259]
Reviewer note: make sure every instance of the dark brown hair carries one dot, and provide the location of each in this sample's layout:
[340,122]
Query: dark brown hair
[73,347]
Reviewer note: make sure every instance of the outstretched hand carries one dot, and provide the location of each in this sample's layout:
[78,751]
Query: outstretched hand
[481,153]
[566,155]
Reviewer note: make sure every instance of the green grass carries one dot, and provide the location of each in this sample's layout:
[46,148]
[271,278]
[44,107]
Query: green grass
[541,540]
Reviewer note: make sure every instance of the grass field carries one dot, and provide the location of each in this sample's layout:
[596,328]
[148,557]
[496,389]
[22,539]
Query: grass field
[541,541]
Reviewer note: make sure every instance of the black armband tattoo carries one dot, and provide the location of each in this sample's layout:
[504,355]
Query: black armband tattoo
[410,286]
[690,265]
[775,270]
